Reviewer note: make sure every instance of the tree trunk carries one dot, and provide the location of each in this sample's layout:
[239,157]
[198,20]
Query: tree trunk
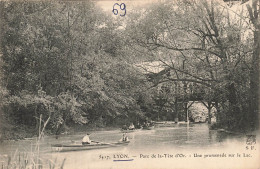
[36,118]
[254,82]
[218,112]
[186,111]
[209,112]
[208,106]
[234,110]
[254,72]
[176,110]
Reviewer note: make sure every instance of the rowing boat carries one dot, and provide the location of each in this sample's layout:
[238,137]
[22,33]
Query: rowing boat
[130,131]
[80,147]
[148,127]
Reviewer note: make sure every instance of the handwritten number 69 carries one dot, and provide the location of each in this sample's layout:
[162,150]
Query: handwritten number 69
[122,7]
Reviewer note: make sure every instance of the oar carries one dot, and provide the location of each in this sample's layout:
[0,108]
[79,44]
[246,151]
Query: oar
[75,142]
[95,141]
[98,142]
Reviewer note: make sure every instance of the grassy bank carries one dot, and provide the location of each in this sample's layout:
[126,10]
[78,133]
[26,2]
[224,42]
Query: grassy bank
[22,132]
[30,160]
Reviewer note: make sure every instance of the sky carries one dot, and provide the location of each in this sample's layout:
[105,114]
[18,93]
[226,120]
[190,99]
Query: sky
[107,5]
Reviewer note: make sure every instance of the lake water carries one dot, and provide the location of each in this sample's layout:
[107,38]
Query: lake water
[160,147]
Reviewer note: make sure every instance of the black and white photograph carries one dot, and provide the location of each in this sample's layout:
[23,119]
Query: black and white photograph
[129,84]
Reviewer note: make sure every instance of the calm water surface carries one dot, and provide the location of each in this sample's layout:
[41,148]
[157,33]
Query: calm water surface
[179,137]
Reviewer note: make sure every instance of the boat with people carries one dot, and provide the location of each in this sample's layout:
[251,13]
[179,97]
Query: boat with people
[148,127]
[127,131]
[80,147]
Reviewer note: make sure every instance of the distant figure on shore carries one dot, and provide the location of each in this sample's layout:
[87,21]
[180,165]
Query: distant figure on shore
[131,127]
[86,140]
[147,124]
[124,138]
[124,127]
[138,125]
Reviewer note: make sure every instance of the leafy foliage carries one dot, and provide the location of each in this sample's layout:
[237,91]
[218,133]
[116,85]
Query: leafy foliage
[206,47]
[70,62]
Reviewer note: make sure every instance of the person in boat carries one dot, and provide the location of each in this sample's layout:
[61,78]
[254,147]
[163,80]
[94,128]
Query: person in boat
[131,127]
[86,140]
[124,127]
[124,138]
[138,125]
[146,124]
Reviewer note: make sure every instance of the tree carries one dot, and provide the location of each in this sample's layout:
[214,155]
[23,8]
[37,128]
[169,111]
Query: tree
[64,61]
[42,51]
[201,44]
[254,14]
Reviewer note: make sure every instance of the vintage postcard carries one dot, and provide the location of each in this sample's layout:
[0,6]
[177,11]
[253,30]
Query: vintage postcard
[129,84]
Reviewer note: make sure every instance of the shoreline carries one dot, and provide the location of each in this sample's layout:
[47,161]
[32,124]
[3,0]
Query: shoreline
[23,134]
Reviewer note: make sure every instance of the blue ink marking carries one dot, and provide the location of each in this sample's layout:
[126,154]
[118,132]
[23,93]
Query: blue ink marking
[115,11]
[123,160]
[122,7]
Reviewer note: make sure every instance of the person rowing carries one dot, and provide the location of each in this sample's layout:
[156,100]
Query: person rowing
[86,140]
[131,127]
[124,138]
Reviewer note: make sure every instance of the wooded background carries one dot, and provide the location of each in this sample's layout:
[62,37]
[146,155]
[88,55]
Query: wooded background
[76,64]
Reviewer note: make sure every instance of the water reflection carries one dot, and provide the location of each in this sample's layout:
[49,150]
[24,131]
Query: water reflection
[160,139]
[179,135]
